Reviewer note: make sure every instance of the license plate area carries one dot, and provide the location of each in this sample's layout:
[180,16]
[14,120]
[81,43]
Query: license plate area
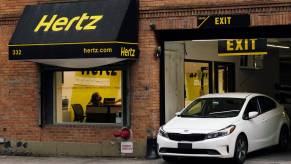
[184,145]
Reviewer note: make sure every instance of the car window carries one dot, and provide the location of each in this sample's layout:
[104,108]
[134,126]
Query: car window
[251,107]
[266,104]
[214,107]
[196,108]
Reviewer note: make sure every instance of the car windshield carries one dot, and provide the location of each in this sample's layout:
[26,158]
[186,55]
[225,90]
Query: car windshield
[214,108]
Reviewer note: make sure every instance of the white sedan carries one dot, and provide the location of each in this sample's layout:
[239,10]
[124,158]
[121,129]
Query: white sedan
[226,125]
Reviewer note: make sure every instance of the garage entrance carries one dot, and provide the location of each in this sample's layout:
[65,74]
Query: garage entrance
[191,66]
[224,77]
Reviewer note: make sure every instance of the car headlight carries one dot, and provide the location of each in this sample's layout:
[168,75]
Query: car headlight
[163,133]
[223,132]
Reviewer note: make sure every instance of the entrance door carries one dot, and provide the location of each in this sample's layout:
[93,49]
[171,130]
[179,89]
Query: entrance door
[224,77]
[197,79]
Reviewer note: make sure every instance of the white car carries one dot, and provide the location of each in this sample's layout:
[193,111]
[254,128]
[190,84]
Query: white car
[226,125]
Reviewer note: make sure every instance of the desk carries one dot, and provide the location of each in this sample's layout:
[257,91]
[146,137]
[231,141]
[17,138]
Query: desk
[103,114]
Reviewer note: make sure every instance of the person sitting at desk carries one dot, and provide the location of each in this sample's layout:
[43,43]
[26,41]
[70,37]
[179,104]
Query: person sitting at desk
[95,100]
[98,112]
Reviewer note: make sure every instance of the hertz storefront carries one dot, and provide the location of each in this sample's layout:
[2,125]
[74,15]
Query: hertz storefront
[83,54]
[85,50]
[76,72]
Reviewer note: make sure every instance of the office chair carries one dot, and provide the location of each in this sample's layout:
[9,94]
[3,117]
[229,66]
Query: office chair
[78,112]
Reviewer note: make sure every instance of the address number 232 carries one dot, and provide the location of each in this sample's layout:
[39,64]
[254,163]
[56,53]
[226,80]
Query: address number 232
[16,52]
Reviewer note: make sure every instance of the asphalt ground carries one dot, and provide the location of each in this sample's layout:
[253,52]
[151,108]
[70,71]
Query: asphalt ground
[266,156]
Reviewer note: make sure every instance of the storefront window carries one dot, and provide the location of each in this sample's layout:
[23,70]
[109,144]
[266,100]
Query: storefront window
[88,96]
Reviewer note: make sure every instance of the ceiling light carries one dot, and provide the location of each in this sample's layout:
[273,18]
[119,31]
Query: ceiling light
[277,46]
[209,40]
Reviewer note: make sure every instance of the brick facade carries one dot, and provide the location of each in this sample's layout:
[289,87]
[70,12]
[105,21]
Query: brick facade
[20,81]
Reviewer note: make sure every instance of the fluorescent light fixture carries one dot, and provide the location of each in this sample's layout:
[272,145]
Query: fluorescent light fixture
[276,46]
[210,40]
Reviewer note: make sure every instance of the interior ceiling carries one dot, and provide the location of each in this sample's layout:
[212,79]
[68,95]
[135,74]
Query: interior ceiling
[276,41]
[284,54]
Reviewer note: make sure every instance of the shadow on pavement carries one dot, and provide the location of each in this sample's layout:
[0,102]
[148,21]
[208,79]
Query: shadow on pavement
[272,154]
[199,160]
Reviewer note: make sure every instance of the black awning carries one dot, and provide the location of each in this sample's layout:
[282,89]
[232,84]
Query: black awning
[91,29]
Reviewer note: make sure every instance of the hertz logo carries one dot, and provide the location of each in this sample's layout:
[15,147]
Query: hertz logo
[65,24]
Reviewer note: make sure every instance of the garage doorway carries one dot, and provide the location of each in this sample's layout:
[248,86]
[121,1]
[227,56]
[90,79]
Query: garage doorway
[275,67]
[224,77]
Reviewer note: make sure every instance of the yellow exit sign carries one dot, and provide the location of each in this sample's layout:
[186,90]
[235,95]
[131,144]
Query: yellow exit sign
[223,21]
[238,47]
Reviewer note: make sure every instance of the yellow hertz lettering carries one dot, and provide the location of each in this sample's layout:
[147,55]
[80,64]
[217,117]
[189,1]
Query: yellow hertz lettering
[64,24]
[241,45]
[222,20]
[127,52]
[97,50]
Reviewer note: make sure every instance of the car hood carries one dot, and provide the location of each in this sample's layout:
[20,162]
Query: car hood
[197,125]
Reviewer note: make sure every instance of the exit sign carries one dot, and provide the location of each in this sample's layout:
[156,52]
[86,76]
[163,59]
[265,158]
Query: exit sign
[223,21]
[239,47]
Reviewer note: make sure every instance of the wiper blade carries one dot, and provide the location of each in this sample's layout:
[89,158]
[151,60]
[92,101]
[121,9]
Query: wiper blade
[195,116]
[215,116]
[227,111]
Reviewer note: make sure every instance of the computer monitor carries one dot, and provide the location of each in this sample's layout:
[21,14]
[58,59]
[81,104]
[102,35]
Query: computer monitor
[109,101]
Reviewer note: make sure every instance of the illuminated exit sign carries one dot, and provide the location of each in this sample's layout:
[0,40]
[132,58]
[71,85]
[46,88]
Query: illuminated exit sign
[239,47]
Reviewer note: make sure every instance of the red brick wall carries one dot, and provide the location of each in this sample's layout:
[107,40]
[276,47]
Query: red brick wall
[18,93]
[20,81]
[156,4]
[145,85]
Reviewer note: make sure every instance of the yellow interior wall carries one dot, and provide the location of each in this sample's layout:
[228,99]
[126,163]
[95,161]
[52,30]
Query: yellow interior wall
[193,85]
[81,94]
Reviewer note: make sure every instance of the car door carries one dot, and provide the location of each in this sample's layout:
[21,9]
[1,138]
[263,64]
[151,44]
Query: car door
[271,119]
[254,128]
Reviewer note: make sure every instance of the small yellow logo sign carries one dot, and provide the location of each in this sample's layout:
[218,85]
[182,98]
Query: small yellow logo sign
[127,52]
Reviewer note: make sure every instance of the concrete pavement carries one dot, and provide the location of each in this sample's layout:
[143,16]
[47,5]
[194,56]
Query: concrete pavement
[267,156]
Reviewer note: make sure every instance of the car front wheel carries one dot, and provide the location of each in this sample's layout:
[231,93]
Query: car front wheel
[241,148]
[283,139]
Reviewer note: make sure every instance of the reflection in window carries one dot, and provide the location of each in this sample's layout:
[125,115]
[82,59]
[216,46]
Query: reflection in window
[214,107]
[88,96]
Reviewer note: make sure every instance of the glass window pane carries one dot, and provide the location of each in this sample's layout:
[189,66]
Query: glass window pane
[266,104]
[251,107]
[88,96]
[214,107]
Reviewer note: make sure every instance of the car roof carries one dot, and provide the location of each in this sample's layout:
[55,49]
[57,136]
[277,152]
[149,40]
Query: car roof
[230,95]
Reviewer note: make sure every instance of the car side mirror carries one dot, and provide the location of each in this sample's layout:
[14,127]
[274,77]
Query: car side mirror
[253,114]
[178,113]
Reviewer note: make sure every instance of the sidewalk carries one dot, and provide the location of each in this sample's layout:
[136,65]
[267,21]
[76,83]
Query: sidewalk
[266,156]
[280,159]
[74,160]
